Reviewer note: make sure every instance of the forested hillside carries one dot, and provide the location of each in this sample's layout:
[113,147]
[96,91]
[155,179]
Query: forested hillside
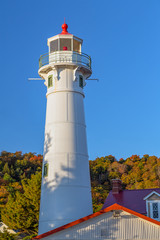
[20,180]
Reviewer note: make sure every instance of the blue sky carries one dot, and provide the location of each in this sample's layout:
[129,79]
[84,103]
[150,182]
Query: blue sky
[122,37]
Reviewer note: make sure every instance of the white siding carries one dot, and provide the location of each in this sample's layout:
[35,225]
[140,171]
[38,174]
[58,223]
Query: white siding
[126,227]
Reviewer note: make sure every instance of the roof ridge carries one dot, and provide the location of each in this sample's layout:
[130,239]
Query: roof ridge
[143,189]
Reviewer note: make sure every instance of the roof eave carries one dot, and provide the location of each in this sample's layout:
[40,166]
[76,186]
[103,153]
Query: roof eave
[108,209]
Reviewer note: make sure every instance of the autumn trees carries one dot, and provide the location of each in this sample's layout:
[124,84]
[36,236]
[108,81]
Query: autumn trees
[20,181]
[135,173]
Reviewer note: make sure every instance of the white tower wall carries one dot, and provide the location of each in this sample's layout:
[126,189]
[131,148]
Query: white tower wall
[66,191]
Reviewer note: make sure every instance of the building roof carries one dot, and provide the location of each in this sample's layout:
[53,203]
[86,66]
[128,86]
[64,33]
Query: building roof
[108,209]
[131,199]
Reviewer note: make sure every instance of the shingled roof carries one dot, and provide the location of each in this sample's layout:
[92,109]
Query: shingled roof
[132,199]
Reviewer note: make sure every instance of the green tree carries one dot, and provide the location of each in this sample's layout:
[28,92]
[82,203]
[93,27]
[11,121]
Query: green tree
[8,178]
[6,168]
[32,189]
[12,172]
[7,236]
[22,210]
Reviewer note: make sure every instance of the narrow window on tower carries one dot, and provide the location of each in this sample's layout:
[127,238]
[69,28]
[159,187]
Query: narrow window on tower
[81,81]
[45,174]
[50,81]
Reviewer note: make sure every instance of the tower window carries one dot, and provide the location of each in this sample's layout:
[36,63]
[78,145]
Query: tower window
[81,81]
[45,174]
[50,81]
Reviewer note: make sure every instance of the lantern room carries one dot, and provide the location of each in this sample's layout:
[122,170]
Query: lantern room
[65,48]
[64,42]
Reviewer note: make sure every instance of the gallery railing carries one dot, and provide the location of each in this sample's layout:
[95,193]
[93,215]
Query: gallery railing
[66,57]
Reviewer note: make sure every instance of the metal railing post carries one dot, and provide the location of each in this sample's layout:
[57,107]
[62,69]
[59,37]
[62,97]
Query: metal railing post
[89,61]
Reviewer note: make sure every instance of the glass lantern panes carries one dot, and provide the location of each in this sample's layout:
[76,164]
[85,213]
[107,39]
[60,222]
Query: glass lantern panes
[76,46]
[54,46]
[45,170]
[65,42]
[155,210]
[50,81]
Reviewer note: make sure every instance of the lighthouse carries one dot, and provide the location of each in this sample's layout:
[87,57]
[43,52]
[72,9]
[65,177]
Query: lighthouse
[66,189]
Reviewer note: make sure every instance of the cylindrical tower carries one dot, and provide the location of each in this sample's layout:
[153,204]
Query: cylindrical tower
[66,190]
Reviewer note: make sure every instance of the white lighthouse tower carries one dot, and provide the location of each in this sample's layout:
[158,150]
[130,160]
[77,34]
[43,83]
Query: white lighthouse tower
[66,190]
